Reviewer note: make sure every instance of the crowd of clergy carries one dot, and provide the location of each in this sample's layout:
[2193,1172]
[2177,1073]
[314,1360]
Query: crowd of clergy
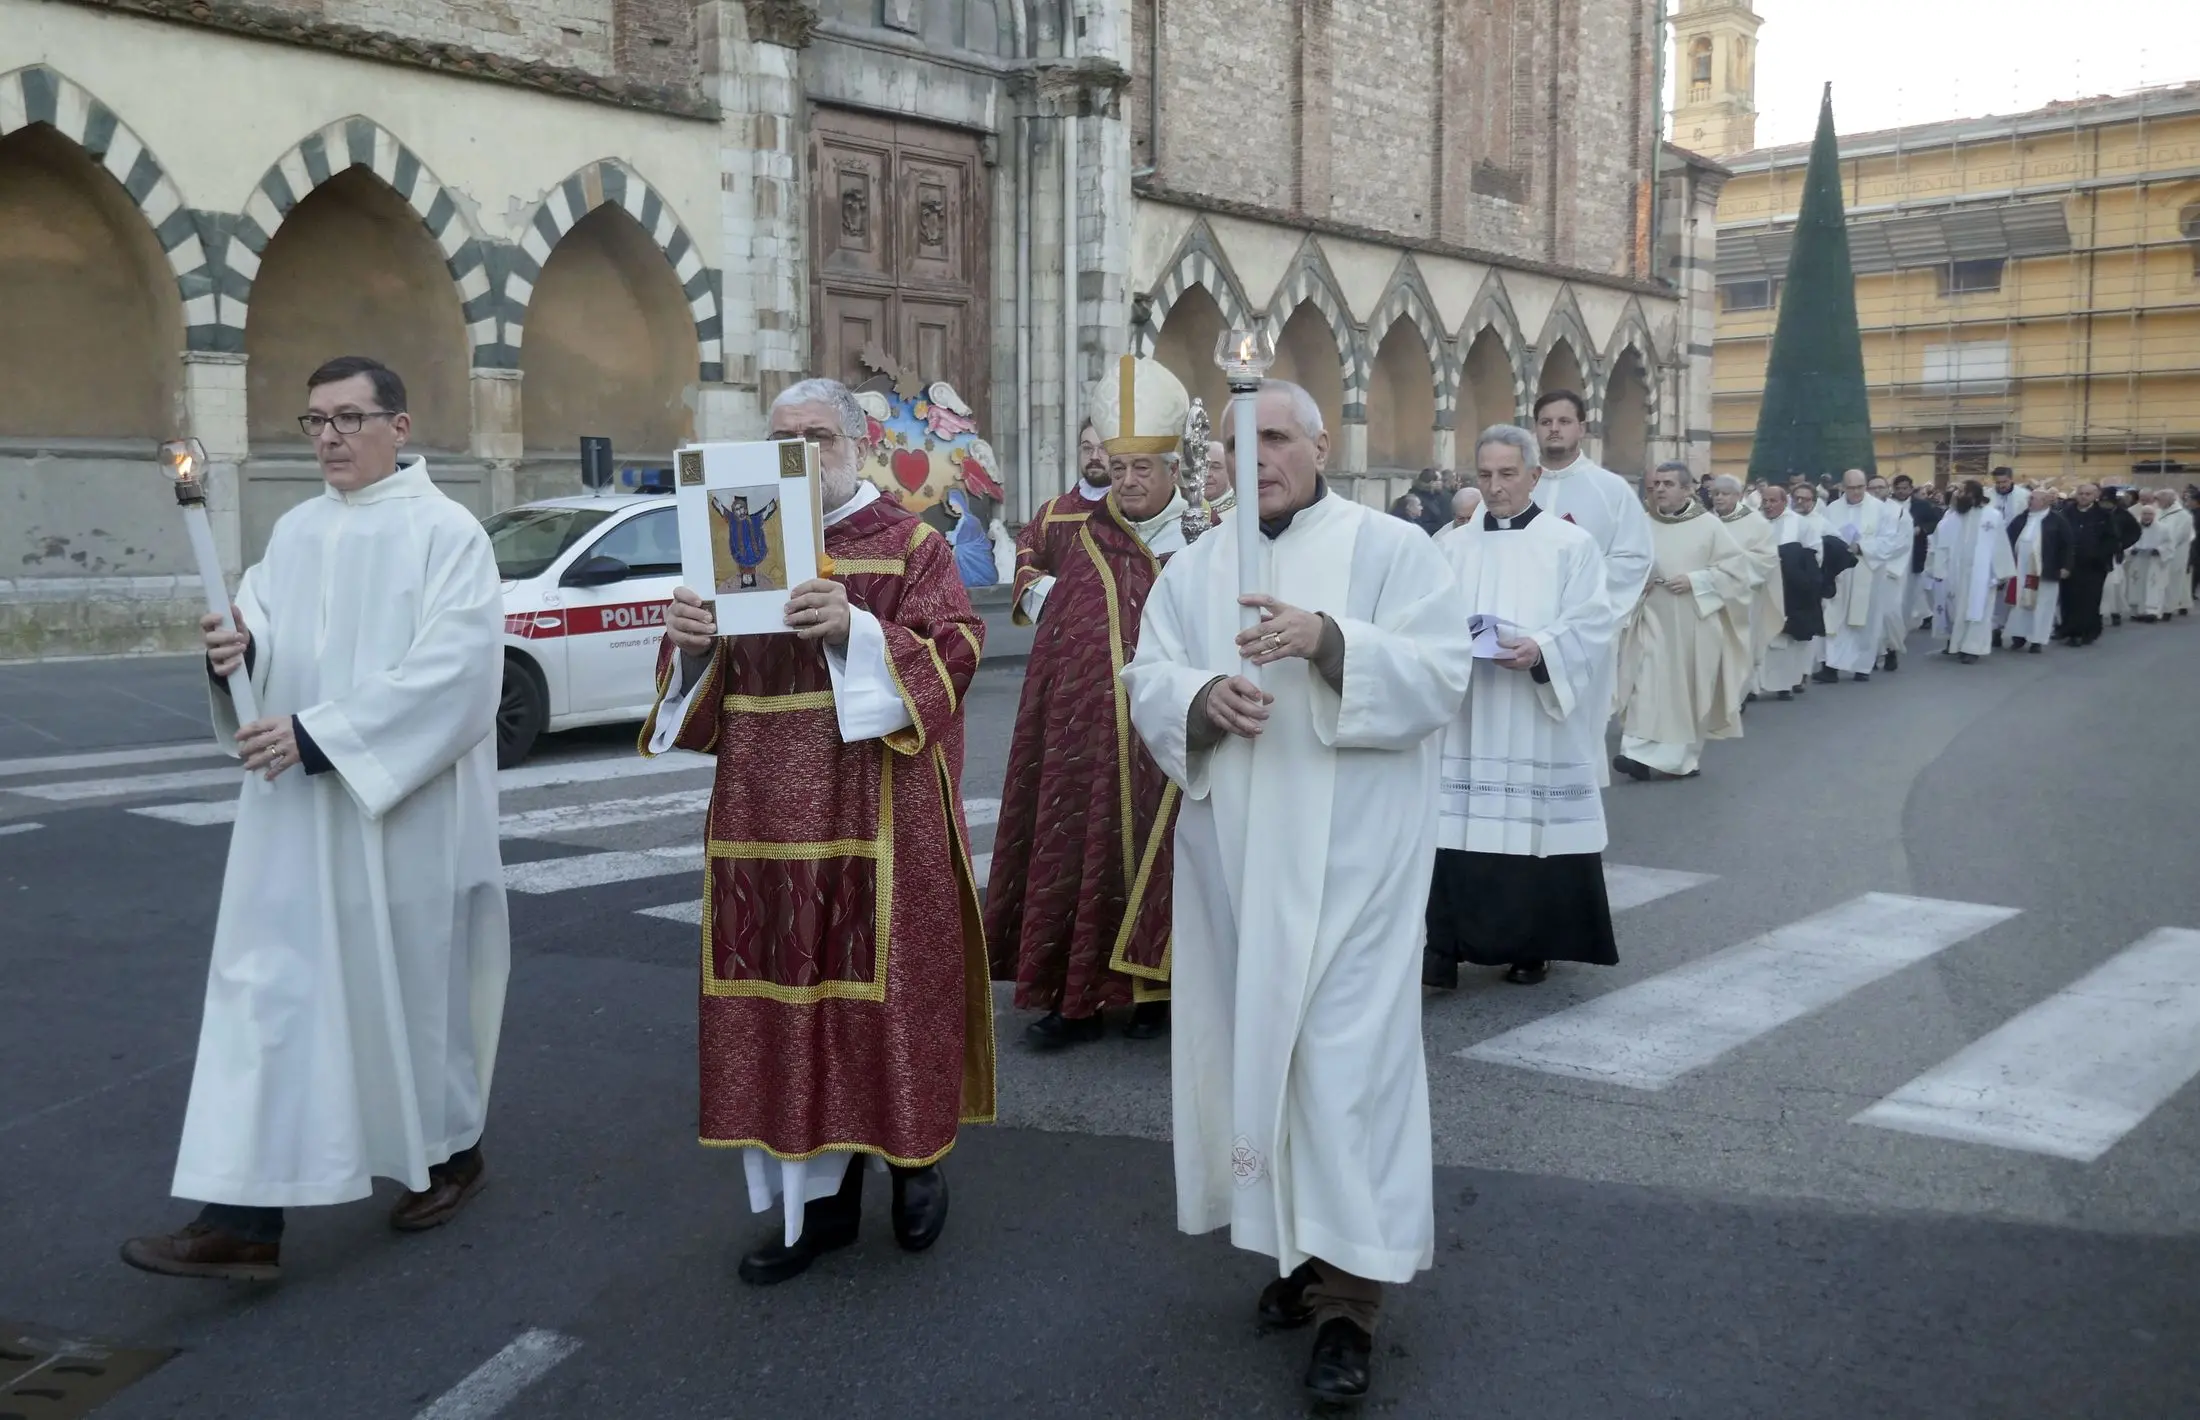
[1282,763]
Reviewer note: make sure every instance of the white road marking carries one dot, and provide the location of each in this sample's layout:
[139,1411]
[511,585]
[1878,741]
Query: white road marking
[105,759]
[596,869]
[979,812]
[1648,1035]
[6,829]
[981,867]
[689,912]
[2078,1071]
[71,790]
[1632,887]
[497,1382]
[567,818]
[527,776]
[203,813]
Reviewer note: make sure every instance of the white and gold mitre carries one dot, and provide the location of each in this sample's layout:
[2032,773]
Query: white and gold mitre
[1141,409]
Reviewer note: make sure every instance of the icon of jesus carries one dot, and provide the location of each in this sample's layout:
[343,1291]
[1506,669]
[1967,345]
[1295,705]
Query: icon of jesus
[745,538]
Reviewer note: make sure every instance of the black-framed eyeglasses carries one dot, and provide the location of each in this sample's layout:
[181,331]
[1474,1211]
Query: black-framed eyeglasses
[823,438]
[348,421]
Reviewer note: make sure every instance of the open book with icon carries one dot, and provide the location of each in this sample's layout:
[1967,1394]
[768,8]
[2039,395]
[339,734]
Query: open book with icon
[1485,630]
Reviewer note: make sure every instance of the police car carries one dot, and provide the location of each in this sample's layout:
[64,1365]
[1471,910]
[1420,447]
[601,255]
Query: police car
[586,580]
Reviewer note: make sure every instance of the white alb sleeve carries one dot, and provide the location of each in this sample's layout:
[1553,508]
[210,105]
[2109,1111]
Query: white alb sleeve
[866,701]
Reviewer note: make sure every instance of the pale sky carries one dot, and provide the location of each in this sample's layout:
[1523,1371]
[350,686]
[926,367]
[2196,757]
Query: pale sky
[1895,62]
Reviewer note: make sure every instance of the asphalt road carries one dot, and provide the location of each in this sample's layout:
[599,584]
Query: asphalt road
[1666,1209]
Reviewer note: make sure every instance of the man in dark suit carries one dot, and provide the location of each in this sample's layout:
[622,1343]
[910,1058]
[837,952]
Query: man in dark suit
[2094,547]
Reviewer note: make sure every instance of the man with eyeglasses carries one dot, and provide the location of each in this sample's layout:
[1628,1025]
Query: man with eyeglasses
[846,1016]
[357,983]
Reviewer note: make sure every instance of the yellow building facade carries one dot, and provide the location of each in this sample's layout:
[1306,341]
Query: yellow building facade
[2028,287]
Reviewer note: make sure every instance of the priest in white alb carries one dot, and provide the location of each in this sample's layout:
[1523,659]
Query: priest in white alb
[2041,542]
[1303,850]
[1519,879]
[1971,558]
[1602,504]
[1683,659]
[1766,612]
[357,983]
[1866,594]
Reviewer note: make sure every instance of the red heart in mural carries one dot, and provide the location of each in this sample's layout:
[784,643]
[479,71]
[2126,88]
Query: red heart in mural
[911,468]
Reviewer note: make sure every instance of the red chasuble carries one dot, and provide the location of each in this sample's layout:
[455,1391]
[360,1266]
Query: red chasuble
[1047,544]
[1077,904]
[845,995]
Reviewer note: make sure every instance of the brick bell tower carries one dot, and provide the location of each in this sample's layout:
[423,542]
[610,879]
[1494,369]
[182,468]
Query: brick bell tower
[1715,77]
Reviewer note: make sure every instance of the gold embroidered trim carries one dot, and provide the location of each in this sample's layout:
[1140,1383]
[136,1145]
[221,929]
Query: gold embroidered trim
[977,650]
[870,567]
[879,850]
[1144,880]
[778,704]
[872,1149]
[695,704]
[977,966]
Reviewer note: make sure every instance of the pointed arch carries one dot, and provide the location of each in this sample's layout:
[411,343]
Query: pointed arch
[1564,325]
[1198,262]
[1310,279]
[39,93]
[1633,333]
[360,142]
[1492,310]
[608,180]
[1407,296]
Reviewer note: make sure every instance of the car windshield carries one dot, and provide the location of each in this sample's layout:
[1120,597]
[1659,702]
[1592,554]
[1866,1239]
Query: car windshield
[528,540]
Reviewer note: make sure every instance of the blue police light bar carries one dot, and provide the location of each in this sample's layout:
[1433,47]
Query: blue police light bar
[646,480]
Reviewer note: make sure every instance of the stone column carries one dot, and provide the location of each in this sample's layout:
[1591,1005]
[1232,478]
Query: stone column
[752,66]
[214,414]
[1444,449]
[498,439]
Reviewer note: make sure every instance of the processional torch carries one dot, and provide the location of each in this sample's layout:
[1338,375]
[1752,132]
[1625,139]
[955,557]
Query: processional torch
[1191,472]
[184,461]
[1245,353]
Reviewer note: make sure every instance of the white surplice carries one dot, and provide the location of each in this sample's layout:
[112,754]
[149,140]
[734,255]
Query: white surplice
[1767,608]
[1864,594]
[1607,507]
[1521,757]
[1303,862]
[2177,558]
[1970,556]
[1683,660]
[357,984]
[2031,597]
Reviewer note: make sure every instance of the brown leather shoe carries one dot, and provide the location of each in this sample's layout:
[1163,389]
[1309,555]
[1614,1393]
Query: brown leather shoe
[449,1186]
[200,1251]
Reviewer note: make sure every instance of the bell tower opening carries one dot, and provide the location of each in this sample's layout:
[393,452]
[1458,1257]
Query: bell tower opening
[1715,76]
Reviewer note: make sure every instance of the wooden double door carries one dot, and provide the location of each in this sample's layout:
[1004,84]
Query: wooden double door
[901,231]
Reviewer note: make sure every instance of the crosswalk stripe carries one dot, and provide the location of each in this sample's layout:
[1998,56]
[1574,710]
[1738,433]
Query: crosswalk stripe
[200,813]
[552,775]
[1648,1035]
[689,912]
[598,869]
[2075,1073]
[9,828]
[1629,886]
[609,813]
[979,812]
[105,759]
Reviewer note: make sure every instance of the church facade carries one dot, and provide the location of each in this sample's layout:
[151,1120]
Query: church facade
[642,218]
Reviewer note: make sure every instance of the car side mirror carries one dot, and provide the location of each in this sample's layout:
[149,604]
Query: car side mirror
[595,571]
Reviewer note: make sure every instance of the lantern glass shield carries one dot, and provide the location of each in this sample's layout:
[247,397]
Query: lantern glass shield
[1244,353]
[183,464]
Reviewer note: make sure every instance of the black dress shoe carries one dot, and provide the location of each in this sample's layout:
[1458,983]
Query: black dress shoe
[1052,1032]
[1343,1354]
[1527,973]
[2115,618]
[1894,661]
[1825,675]
[1149,1021]
[920,1206]
[1784,695]
[2016,643]
[1439,970]
[1631,768]
[1967,658]
[1861,676]
[828,1224]
[1283,1302]
[1997,641]
[2033,649]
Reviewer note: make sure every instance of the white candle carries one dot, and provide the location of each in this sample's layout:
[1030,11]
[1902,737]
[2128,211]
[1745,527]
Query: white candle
[1246,516]
[217,602]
